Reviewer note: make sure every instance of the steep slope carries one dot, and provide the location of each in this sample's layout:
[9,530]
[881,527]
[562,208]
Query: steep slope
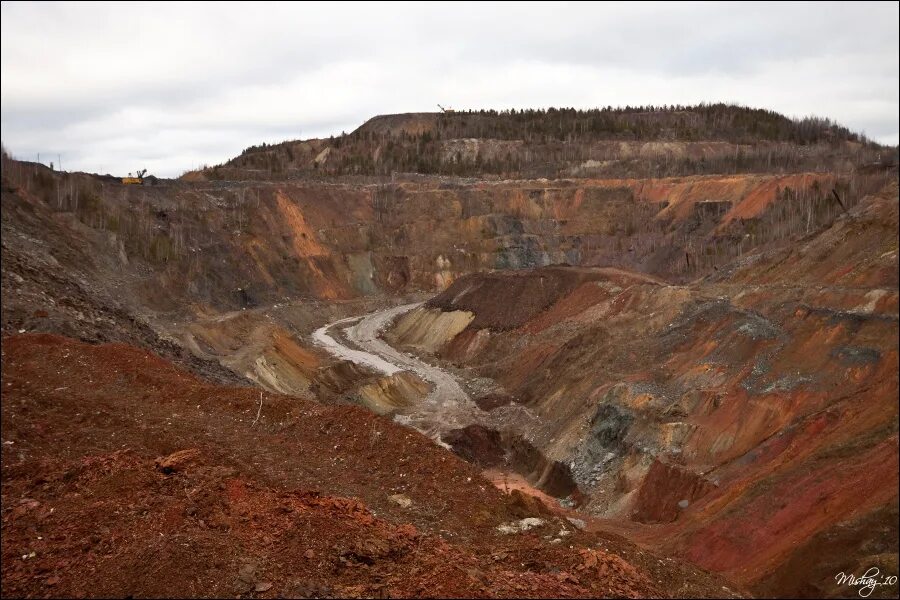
[738,421]
[124,476]
[189,248]
[239,273]
[706,335]
[57,277]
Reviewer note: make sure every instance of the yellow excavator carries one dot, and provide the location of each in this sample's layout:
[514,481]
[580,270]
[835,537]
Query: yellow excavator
[139,180]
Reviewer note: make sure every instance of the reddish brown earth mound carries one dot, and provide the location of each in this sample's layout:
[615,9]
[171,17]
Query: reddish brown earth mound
[506,300]
[125,476]
[666,490]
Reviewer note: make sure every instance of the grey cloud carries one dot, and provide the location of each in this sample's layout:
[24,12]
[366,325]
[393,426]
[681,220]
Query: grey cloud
[178,85]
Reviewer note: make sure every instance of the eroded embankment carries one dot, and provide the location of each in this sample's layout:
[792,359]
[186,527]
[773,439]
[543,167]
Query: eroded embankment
[198,248]
[508,451]
[743,416]
[446,413]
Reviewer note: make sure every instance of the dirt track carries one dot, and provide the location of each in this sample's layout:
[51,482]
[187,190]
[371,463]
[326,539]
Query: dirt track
[447,405]
[320,336]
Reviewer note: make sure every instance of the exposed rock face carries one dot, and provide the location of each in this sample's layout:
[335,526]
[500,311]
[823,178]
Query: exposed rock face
[701,352]
[744,414]
[227,246]
[609,426]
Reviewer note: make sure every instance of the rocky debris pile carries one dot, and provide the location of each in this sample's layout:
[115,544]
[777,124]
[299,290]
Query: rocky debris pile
[520,526]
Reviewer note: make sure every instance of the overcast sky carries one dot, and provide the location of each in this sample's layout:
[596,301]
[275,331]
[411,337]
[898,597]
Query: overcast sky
[113,88]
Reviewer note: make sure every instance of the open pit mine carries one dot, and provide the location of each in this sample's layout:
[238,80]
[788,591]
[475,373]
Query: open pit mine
[630,353]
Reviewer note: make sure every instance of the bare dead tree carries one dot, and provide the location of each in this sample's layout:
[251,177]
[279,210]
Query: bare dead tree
[838,198]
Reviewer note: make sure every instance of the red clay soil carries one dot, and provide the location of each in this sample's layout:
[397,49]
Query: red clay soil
[770,391]
[125,476]
[666,491]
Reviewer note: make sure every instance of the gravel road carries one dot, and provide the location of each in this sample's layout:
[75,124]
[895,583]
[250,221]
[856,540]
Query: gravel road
[447,405]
